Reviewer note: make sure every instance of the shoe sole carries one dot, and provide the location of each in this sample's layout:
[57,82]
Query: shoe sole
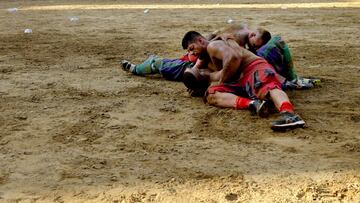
[283,127]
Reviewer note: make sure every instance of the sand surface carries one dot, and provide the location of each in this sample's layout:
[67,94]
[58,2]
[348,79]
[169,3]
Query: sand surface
[76,128]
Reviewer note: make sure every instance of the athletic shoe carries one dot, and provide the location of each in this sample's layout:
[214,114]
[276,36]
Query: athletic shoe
[286,121]
[304,83]
[299,84]
[260,108]
[127,66]
[290,85]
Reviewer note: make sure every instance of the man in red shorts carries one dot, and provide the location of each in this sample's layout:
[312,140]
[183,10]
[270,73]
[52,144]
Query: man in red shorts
[240,73]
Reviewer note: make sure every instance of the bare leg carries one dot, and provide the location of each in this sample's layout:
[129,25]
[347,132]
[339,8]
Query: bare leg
[222,99]
[278,97]
[228,100]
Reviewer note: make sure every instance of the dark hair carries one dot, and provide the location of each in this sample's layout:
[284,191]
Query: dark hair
[265,35]
[189,37]
[194,83]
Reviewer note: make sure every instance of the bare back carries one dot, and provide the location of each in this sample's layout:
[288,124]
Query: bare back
[239,33]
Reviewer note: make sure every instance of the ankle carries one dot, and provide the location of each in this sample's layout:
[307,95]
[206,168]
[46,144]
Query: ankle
[286,107]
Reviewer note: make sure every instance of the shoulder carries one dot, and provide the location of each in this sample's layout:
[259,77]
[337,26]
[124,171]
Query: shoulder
[215,44]
[216,47]
[243,26]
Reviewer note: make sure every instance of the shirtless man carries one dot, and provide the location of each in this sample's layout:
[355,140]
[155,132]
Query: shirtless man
[238,69]
[172,69]
[259,41]
[272,48]
[250,39]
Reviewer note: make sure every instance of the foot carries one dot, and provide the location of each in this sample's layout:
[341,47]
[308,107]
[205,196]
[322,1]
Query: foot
[298,84]
[286,121]
[304,83]
[260,108]
[127,66]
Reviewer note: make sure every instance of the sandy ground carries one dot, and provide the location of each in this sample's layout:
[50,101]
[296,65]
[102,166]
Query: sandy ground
[76,128]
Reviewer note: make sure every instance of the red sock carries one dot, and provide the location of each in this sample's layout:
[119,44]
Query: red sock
[242,103]
[286,106]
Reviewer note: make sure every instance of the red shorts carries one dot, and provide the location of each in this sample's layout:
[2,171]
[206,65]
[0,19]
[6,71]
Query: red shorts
[255,82]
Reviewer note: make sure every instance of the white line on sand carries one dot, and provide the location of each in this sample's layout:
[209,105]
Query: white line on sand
[355,4]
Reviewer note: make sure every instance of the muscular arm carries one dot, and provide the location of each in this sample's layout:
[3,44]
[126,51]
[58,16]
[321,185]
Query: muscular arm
[213,76]
[200,64]
[230,58]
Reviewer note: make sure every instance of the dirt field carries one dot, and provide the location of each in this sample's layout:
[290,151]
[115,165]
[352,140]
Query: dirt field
[76,128]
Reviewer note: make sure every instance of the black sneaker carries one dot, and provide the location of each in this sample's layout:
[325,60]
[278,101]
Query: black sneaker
[127,66]
[260,108]
[286,121]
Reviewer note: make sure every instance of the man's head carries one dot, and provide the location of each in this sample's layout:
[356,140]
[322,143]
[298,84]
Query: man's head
[194,81]
[195,43]
[258,38]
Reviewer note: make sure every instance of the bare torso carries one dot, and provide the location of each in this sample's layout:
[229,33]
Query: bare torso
[239,33]
[229,57]
[246,56]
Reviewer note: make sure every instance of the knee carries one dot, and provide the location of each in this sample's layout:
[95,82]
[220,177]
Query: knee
[213,99]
